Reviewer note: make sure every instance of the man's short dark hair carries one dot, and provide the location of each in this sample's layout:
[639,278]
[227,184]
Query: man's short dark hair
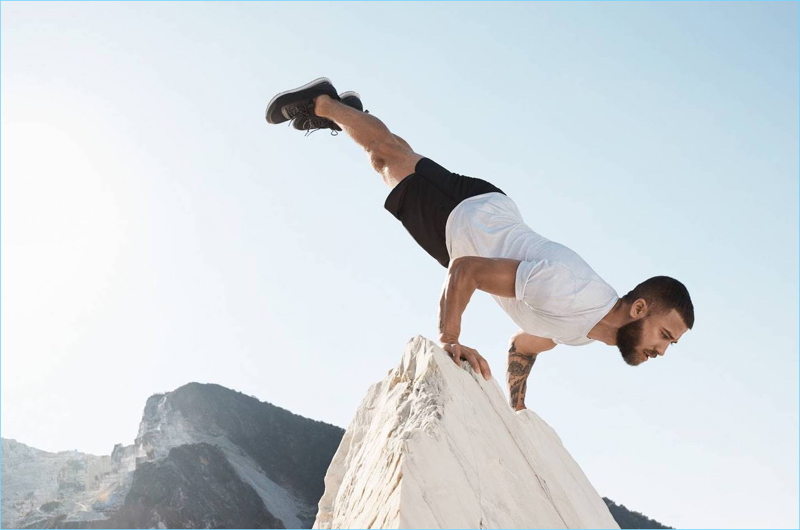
[663,293]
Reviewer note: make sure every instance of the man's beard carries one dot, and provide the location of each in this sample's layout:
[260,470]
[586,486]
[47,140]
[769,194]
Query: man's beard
[629,337]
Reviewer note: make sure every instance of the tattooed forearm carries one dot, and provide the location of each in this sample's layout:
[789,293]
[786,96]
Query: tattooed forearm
[519,367]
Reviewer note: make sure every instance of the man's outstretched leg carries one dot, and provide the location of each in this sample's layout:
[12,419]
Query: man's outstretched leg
[423,192]
[316,105]
[424,201]
[390,155]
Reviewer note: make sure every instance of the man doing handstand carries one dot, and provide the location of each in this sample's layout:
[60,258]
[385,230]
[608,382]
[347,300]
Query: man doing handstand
[474,230]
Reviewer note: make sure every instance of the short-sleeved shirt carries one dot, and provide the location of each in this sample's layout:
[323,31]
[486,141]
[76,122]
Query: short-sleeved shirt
[558,295]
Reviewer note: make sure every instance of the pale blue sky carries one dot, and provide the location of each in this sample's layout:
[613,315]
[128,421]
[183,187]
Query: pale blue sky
[156,231]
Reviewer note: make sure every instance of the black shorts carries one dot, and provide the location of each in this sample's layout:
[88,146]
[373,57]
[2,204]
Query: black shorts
[423,202]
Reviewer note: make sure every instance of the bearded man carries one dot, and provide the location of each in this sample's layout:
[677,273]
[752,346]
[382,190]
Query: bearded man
[475,231]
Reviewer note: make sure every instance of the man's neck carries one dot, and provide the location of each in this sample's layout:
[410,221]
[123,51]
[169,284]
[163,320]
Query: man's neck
[606,330]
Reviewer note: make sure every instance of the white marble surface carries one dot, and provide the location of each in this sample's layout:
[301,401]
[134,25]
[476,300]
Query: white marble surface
[435,446]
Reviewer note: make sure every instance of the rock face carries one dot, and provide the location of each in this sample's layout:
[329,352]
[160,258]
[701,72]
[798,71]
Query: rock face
[195,486]
[205,457]
[435,446]
[39,486]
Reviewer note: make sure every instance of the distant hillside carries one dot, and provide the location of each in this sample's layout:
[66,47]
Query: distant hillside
[205,457]
[626,518]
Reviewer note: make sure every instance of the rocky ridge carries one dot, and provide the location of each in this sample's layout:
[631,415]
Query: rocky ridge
[198,442]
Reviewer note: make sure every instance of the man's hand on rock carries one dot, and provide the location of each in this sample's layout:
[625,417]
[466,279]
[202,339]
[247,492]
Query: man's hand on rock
[459,351]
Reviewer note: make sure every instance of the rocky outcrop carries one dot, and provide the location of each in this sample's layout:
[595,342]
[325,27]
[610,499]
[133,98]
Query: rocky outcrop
[435,446]
[40,487]
[194,486]
[205,456]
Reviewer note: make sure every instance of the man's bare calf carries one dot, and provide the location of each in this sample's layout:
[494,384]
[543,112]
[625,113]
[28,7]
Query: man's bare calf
[390,155]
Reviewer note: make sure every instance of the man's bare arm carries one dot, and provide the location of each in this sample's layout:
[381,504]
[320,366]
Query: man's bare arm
[522,354]
[464,276]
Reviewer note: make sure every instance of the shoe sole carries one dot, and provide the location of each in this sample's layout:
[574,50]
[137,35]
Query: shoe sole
[274,115]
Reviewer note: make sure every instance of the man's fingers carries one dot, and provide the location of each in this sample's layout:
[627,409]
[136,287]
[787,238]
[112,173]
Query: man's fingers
[460,352]
[485,370]
[464,353]
[455,352]
[473,361]
[480,366]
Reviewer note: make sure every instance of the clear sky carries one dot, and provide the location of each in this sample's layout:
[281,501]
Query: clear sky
[156,231]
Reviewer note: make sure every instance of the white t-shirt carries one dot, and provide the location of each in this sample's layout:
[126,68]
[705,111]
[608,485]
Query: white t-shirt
[558,295]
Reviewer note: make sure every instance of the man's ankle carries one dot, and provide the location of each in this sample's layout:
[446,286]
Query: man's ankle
[321,105]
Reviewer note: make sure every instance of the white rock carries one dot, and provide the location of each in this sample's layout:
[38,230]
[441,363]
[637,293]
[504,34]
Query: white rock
[435,446]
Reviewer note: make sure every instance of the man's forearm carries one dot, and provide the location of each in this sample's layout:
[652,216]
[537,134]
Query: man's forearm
[458,290]
[519,368]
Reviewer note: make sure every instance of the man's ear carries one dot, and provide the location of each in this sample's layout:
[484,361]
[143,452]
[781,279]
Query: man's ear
[638,308]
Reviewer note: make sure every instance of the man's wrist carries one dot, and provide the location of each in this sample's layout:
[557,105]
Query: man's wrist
[445,338]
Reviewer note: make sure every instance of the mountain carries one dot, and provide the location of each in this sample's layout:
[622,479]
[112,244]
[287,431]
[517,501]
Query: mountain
[205,456]
[434,445]
[630,519]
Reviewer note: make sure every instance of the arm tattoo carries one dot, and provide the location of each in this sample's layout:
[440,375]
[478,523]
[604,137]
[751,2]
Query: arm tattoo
[519,367]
